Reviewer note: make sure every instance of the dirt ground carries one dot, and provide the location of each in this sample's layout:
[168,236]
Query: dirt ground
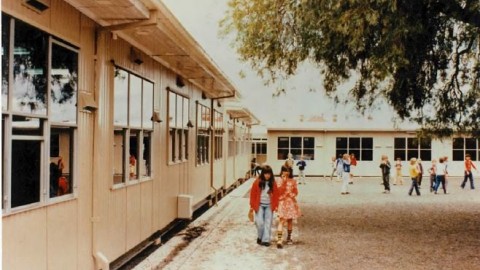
[363,230]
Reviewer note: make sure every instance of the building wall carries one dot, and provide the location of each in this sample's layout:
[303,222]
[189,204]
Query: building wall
[383,143]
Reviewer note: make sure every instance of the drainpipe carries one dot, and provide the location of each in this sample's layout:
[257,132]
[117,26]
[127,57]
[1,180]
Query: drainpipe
[100,260]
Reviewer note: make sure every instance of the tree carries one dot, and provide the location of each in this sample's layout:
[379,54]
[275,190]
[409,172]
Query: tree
[422,56]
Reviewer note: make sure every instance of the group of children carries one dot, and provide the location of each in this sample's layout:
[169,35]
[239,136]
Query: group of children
[438,174]
[269,195]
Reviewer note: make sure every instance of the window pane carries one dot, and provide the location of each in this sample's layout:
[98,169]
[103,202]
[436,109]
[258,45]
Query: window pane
[425,143]
[354,143]
[120,96]
[426,155]
[180,143]
[5,59]
[458,143]
[3,159]
[412,143]
[263,148]
[179,113]
[146,157]
[367,143]
[283,142]
[133,155]
[27,126]
[473,154]
[296,142]
[358,154]
[342,142]
[470,143]
[30,70]
[185,145]
[400,154]
[173,145]
[412,154]
[308,142]
[367,155]
[297,153]
[172,109]
[282,154]
[399,143]
[118,156]
[147,105]
[309,154]
[63,94]
[340,152]
[61,148]
[26,162]
[457,155]
[186,116]
[135,101]
[253,148]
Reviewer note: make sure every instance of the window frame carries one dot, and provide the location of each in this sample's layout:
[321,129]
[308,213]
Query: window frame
[46,122]
[128,129]
[474,152]
[177,133]
[352,147]
[296,150]
[203,134]
[409,150]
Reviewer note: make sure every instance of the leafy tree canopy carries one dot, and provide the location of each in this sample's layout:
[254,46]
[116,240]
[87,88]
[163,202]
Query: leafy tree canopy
[423,56]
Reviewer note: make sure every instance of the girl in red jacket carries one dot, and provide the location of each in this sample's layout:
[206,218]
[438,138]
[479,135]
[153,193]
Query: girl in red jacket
[264,201]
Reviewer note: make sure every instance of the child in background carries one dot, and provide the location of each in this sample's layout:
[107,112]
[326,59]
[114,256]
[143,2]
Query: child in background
[385,167]
[433,174]
[398,170]
[288,209]
[414,171]
[301,171]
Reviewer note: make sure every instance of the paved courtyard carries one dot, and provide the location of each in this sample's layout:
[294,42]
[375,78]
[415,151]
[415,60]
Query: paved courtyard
[363,230]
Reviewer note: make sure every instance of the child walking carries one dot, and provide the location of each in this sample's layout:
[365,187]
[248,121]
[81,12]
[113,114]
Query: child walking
[288,209]
[385,167]
[414,171]
[264,197]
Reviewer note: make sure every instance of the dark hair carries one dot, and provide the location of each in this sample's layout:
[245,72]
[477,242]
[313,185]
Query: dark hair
[266,170]
[287,169]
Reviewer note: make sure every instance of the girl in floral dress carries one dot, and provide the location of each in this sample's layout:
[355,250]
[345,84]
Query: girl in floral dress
[288,209]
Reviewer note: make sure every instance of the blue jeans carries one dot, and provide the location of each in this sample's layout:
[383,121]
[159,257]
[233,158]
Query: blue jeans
[263,220]
[414,186]
[468,175]
[440,180]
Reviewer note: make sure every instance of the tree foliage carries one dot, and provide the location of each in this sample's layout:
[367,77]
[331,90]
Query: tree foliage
[423,56]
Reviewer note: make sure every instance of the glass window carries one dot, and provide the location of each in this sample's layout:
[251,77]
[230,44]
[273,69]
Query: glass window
[297,146]
[60,168]
[40,144]
[362,148]
[26,170]
[5,59]
[463,146]
[399,143]
[178,115]
[135,102]
[407,148]
[203,135]
[133,111]
[64,82]
[29,70]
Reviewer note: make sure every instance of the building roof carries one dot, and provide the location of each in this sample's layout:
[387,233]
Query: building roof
[153,29]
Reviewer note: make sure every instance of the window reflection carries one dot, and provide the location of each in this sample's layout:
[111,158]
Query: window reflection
[147,104]
[61,149]
[118,156]
[133,157]
[26,162]
[29,70]
[135,101]
[120,98]
[146,161]
[5,57]
[64,76]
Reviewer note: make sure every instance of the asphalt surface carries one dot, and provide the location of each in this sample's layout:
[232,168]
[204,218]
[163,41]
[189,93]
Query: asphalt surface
[363,230]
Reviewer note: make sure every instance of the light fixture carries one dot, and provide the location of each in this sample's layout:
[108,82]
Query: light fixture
[189,124]
[135,56]
[87,103]
[179,81]
[156,117]
[204,96]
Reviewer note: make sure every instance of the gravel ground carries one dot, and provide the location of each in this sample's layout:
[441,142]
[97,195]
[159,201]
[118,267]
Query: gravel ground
[363,230]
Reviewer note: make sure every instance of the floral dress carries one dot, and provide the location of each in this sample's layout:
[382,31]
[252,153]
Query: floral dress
[288,206]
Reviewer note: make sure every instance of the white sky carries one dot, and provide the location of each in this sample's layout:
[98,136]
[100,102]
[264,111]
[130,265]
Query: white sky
[201,19]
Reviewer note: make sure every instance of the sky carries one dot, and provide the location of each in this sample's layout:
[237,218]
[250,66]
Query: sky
[304,93]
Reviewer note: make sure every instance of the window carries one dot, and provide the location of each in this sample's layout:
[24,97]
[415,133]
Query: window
[361,147]
[203,134]
[259,146]
[407,148]
[231,139]
[178,112]
[463,146]
[39,116]
[133,126]
[297,146]
[219,130]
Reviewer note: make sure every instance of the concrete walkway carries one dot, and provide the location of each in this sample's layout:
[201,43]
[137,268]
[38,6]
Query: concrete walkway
[363,230]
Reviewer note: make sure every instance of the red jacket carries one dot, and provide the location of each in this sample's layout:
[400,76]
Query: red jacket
[255,193]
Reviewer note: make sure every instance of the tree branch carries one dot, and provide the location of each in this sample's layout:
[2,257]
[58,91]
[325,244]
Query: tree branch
[453,9]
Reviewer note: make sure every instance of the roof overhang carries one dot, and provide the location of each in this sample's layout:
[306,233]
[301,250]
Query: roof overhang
[151,27]
[242,114]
